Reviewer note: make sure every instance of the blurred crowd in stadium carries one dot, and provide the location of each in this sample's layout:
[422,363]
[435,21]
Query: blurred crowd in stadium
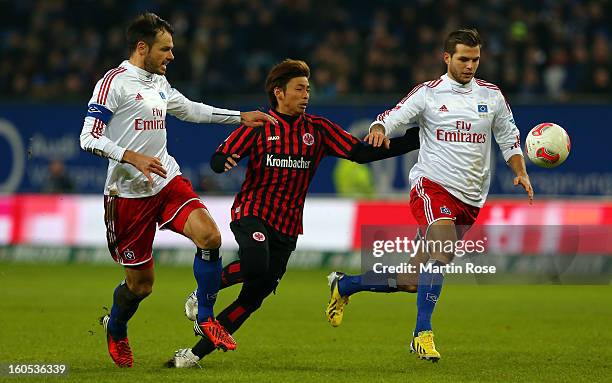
[533,49]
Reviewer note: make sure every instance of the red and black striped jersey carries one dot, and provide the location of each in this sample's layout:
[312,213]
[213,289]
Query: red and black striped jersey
[283,159]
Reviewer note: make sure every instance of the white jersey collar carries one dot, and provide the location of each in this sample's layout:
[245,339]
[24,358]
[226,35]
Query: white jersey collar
[141,73]
[458,87]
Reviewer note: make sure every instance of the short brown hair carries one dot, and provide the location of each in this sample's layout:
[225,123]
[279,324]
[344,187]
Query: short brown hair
[469,37]
[144,28]
[281,74]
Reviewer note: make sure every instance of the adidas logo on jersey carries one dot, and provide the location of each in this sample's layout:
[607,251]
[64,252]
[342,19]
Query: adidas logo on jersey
[139,97]
[443,108]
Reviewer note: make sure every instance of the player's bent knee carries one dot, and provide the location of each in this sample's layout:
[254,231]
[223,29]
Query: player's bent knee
[141,289]
[213,240]
[145,291]
[208,240]
[140,282]
[202,230]
[254,293]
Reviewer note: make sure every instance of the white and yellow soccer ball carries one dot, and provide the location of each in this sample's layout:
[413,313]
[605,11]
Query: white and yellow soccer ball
[547,145]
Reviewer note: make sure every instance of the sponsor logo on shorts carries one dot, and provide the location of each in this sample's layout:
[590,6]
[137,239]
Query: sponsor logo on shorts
[129,254]
[445,210]
[259,236]
[431,297]
[308,139]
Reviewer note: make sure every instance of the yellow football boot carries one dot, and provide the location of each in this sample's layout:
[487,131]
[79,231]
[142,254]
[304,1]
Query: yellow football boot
[423,345]
[335,307]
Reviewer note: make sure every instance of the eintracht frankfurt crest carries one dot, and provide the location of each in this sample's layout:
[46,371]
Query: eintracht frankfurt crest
[308,139]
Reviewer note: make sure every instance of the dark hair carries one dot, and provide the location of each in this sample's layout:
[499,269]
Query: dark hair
[144,28]
[469,37]
[281,74]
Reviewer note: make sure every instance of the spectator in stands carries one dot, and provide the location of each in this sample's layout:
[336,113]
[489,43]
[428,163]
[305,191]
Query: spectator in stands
[57,49]
[58,181]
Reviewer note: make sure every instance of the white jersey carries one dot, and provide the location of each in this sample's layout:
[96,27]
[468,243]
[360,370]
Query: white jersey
[128,111]
[457,123]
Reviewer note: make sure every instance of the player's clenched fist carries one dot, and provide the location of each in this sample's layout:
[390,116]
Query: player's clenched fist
[231,161]
[146,164]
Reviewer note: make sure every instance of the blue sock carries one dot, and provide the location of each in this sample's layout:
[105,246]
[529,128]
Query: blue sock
[207,269]
[368,281]
[430,286]
[125,304]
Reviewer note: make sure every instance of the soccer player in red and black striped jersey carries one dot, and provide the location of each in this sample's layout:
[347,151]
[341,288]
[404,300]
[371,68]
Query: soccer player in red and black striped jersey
[267,212]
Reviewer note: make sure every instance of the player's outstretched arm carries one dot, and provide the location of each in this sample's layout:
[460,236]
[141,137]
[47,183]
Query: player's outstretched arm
[517,163]
[184,109]
[364,153]
[221,162]
[146,164]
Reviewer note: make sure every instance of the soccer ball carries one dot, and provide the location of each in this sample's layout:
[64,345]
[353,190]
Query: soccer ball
[547,145]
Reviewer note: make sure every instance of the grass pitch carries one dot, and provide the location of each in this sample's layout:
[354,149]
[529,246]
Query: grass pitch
[48,313]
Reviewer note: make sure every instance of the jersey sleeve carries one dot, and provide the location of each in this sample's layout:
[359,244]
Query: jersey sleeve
[184,109]
[338,142]
[239,141]
[104,102]
[406,112]
[364,153]
[504,129]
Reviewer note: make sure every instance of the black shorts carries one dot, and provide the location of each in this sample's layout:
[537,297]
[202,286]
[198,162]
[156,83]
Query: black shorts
[264,251]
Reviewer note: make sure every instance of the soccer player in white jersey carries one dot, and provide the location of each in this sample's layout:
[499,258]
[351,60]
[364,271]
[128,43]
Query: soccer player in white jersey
[458,116]
[126,123]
